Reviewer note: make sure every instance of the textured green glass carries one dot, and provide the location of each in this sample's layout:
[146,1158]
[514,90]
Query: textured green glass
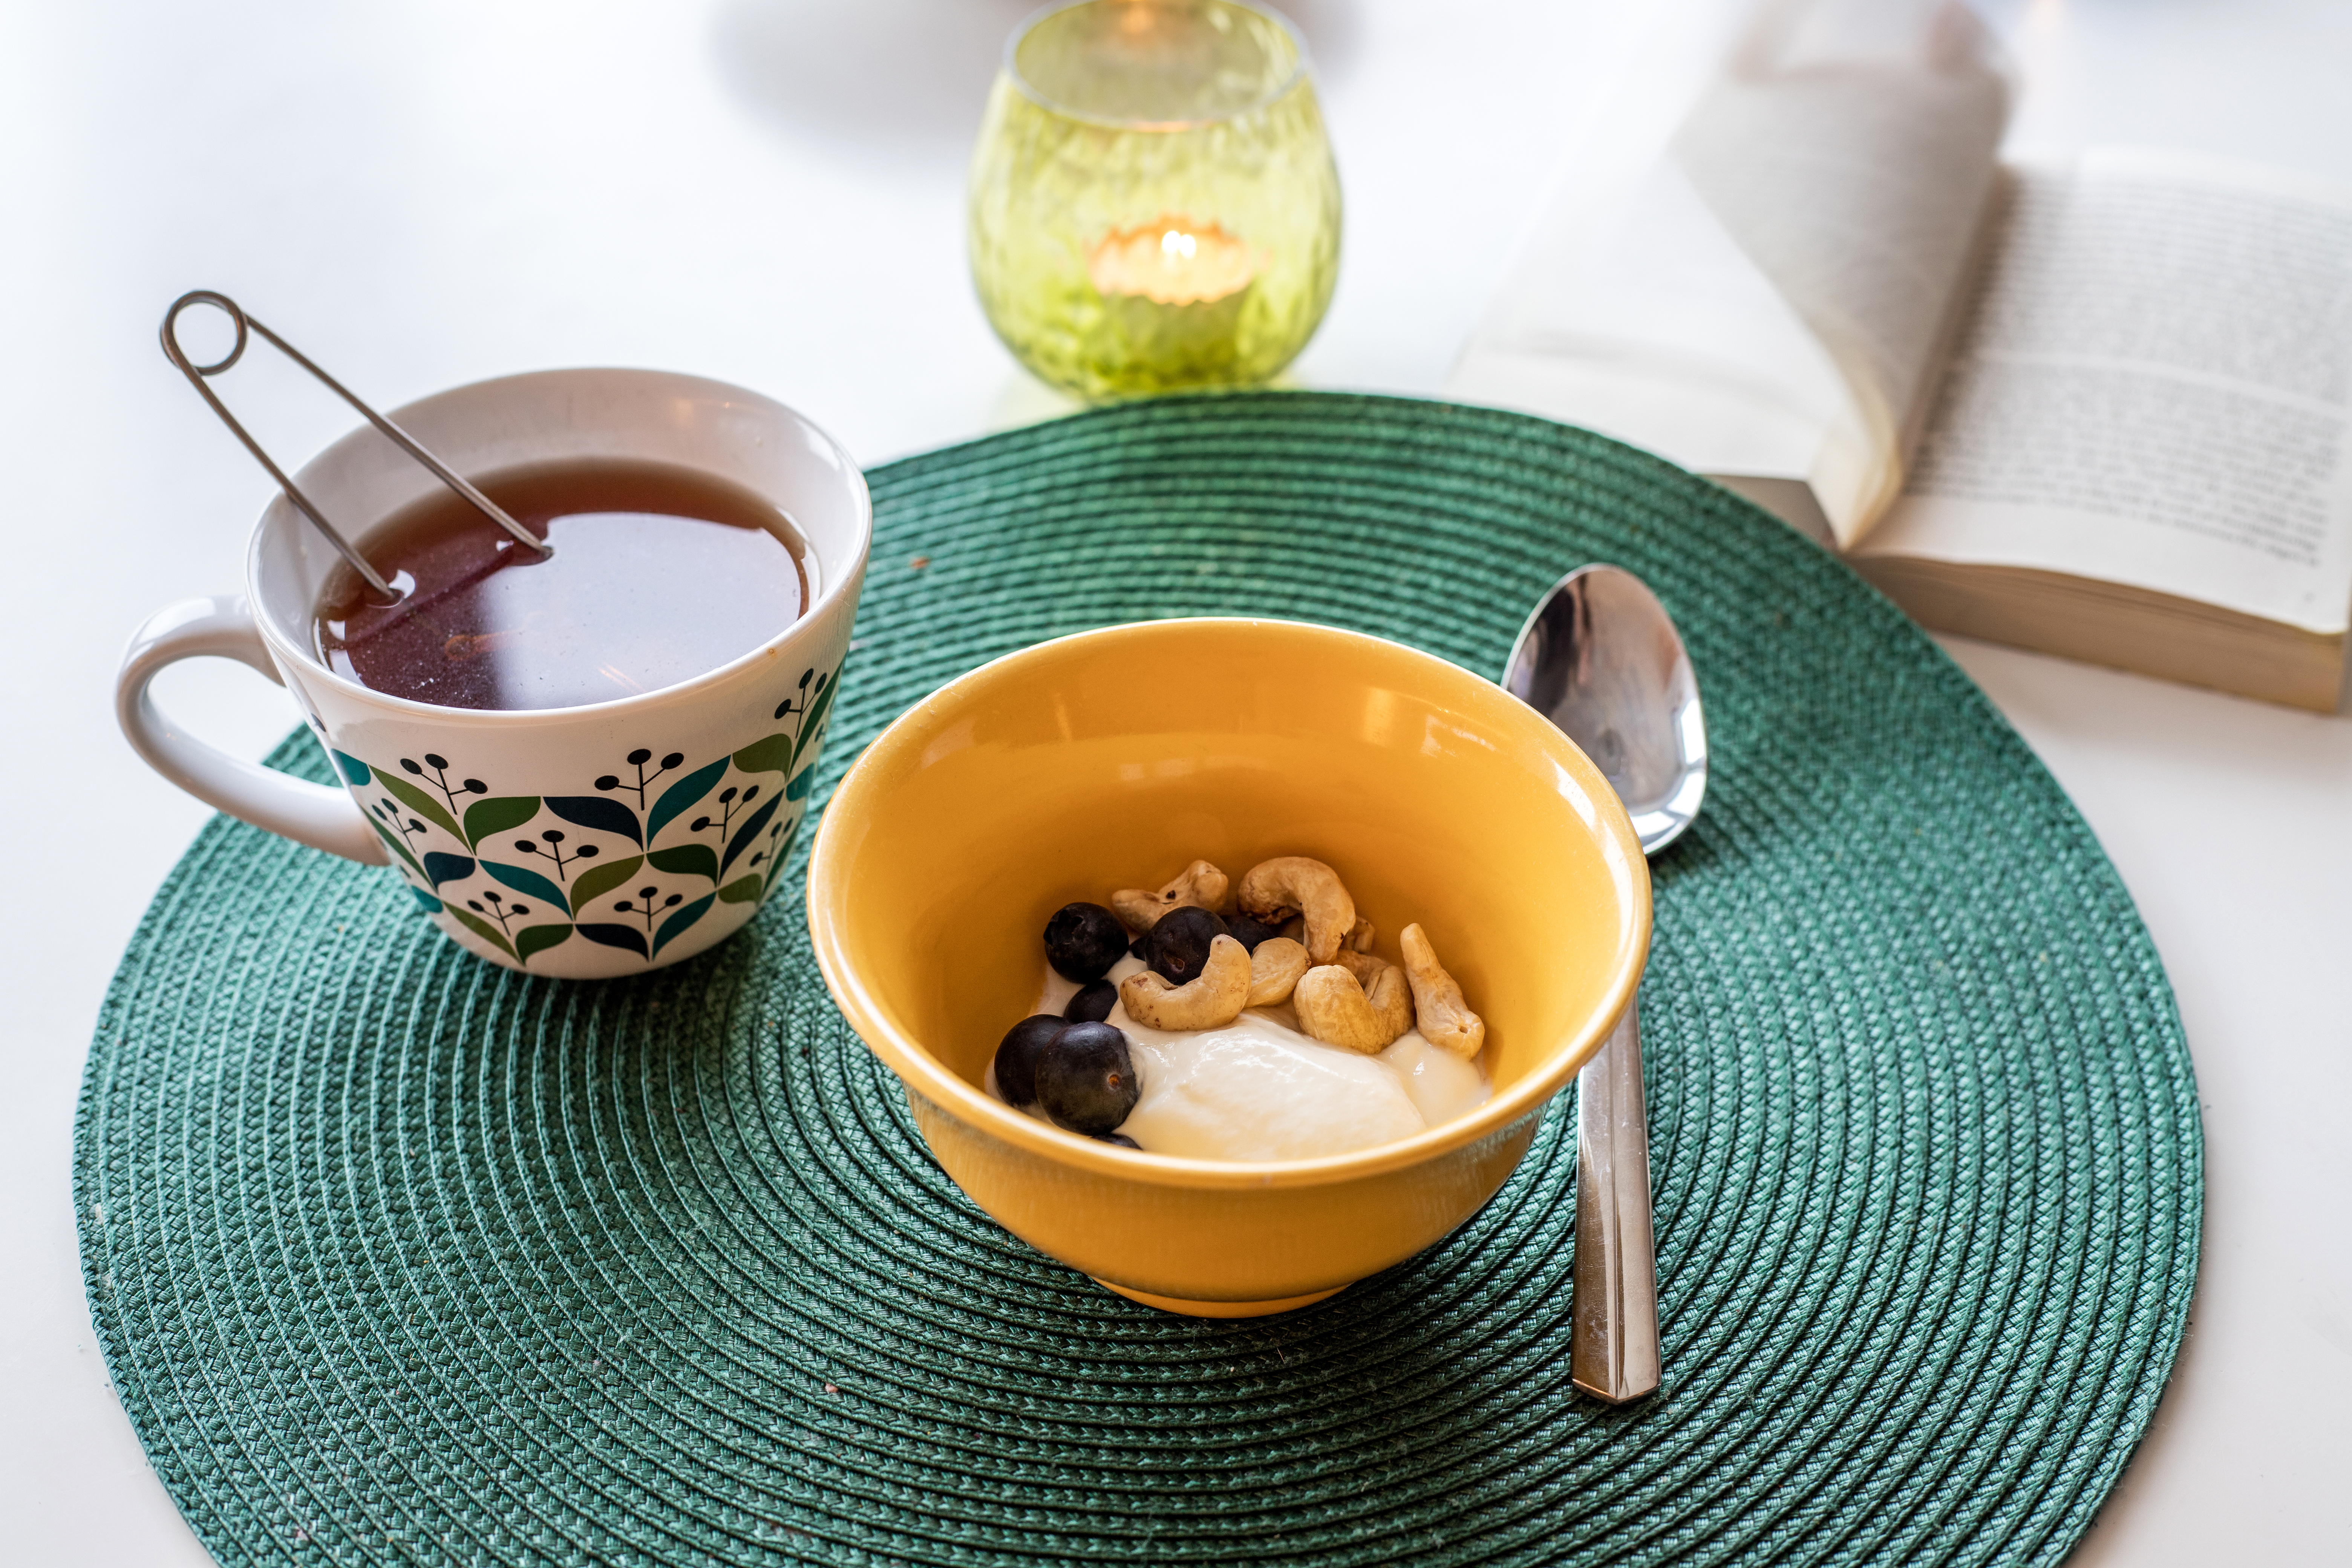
[1184,134]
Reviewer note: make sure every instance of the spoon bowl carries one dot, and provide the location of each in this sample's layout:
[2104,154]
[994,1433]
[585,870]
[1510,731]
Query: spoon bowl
[1600,659]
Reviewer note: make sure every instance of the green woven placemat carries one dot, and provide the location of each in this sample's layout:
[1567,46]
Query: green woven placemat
[398,1257]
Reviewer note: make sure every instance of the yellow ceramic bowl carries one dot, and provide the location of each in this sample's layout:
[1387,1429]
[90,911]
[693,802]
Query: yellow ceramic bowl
[1110,760]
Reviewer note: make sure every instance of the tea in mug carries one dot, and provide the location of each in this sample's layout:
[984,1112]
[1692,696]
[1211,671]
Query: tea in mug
[659,575]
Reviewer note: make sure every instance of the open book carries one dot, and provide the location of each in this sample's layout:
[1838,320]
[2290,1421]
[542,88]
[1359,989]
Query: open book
[2096,407]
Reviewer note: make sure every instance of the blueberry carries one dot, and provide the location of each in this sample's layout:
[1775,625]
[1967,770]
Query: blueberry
[1093,1002]
[1016,1056]
[1086,1080]
[1140,947]
[1249,932]
[1122,1139]
[1178,946]
[1083,940]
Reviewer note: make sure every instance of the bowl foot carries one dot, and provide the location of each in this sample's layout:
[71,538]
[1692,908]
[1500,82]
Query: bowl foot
[1220,1309]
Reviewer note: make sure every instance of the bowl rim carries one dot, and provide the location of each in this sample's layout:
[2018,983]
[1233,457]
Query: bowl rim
[925,1074]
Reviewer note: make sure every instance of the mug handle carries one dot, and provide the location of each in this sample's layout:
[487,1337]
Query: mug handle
[222,627]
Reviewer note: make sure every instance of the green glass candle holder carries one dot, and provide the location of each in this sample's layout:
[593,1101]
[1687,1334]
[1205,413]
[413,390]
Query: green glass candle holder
[1154,205]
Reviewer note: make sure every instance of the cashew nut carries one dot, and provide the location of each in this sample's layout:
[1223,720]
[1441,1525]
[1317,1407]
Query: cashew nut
[1209,999]
[1365,966]
[1335,1010]
[1293,884]
[1295,928]
[1360,936]
[1445,1018]
[1200,884]
[1275,969]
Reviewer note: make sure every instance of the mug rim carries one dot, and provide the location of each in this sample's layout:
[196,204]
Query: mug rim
[838,584]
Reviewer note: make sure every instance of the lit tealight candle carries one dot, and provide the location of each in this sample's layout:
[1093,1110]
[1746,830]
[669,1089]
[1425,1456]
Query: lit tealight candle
[1172,261]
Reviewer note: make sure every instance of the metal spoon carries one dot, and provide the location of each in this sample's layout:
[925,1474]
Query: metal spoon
[1600,659]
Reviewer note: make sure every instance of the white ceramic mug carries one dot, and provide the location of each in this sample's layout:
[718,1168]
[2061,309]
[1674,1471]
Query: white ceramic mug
[582,842]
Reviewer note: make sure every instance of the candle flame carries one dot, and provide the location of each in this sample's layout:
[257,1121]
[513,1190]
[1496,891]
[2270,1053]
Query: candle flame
[1174,260]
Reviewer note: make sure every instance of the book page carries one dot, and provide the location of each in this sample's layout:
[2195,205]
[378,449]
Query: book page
[2153,388]
[1770,298]
[1850,150]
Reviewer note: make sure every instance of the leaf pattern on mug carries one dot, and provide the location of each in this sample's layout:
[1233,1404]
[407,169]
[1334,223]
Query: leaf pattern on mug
[677,922]
[680,797]
[773,755]
[748,835]
[441,867]
[600,814]
[687,860]
[523,880]
[398,848]
[745,826]
[483,928]
[807,708]
[589,885]
[496,814]
[418,801]
[539,939]
[812,725]
[627,937]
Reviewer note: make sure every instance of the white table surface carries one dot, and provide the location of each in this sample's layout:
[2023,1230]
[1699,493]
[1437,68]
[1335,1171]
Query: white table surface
[769,192]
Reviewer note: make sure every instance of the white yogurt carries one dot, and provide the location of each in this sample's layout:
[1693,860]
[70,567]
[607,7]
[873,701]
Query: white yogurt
[1259,1090]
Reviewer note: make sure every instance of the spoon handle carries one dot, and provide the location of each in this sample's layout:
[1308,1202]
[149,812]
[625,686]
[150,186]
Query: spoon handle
[1613,1353]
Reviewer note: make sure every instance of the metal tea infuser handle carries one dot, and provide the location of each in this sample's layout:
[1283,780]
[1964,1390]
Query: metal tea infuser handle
[196,374]
[321,815]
